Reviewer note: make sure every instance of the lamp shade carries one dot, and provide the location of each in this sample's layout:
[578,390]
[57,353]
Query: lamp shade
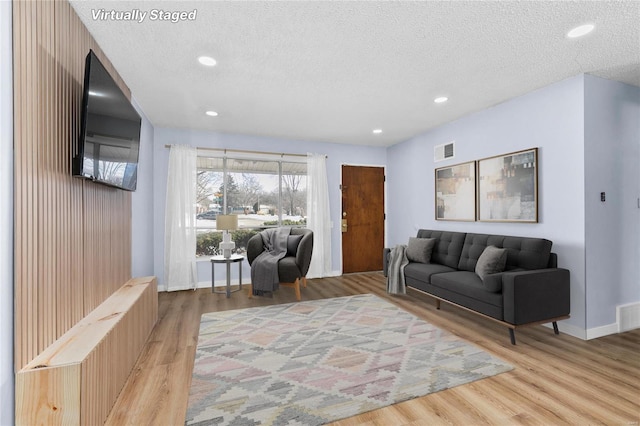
[226,222]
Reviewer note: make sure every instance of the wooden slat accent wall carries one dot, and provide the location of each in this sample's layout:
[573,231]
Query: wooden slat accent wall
[72,237]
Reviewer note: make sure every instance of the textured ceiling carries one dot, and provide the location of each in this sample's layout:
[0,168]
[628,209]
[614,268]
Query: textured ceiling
[334,71]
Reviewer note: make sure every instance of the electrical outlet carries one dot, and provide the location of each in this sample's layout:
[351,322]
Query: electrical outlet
[603,198]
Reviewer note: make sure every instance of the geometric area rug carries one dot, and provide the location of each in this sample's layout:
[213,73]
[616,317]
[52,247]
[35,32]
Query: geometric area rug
[313,362]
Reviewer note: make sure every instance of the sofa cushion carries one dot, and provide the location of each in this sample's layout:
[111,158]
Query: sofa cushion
[419,249]
[490,309]
[493,282]
[522,252]
[468,284]
[448,246]
[424,271]
[491,261]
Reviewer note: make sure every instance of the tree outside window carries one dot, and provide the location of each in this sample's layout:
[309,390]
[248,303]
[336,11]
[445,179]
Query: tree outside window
[262,193]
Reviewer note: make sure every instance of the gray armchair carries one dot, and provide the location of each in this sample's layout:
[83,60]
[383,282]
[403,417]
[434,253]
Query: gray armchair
[293,268]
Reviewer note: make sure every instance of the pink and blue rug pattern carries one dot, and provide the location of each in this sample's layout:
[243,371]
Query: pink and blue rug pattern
[310,363]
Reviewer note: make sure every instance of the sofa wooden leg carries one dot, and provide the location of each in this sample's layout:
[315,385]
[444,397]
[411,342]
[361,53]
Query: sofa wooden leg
[437,303]
[512,335]
[250,291]
[555,327]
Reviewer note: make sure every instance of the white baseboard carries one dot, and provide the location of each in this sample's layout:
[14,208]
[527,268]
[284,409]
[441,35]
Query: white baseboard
[588,334]
[223,282]
[605,330]
[580,333]
[330,274]
[627,318]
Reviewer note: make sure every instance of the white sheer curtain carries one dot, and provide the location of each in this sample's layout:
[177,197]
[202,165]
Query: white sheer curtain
[180,220]
[318,215]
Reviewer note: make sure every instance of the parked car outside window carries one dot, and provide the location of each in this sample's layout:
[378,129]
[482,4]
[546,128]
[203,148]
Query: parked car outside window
[210,215]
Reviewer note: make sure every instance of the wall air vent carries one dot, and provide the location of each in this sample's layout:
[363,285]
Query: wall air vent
[443,152]
[628,317]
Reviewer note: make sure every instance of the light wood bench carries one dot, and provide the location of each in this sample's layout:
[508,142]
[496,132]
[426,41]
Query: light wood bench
[76,380]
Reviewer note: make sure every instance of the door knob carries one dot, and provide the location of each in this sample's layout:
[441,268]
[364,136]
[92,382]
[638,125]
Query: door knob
[344,225]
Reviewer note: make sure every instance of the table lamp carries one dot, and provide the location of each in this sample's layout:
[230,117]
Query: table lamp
[226,223]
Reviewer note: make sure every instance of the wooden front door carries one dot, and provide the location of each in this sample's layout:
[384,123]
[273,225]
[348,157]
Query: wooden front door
[362,218]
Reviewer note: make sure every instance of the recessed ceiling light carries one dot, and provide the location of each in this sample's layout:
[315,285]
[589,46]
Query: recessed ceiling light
[212,113]
[377,131]
[580,31]
[207,60]
[441,99]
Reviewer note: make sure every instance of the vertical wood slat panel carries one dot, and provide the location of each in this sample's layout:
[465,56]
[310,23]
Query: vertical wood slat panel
[50,44]
[18,116]
[17,179]
[73,53]
[26,193]
[31,229]
[53,230]
[75,65]
[59,108]
[35,144]
[49,144]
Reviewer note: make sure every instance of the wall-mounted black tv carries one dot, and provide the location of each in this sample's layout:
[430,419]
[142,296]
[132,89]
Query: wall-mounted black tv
[109,142]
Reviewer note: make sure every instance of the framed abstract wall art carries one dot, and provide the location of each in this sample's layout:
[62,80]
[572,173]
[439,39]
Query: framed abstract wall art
[508,187]
[456,192]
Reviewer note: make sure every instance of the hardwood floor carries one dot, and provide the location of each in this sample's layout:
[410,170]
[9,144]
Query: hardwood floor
[556,379]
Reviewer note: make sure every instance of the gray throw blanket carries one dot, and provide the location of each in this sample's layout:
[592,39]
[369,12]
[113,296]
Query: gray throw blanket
[395,273]
[264,270]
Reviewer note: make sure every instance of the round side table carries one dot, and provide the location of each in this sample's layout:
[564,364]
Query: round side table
[235,258]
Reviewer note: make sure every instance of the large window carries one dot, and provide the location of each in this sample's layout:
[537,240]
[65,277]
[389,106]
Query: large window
[263,193]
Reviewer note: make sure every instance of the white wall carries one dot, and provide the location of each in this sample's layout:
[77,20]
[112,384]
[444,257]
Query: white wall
[6,217]
[612,161]
[338,154]
[551,119]
[142,204]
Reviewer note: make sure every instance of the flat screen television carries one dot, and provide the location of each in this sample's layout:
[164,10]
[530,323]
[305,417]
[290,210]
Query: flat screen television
[109,142]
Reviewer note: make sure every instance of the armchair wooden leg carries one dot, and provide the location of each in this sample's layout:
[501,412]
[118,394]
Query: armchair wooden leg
[304,282]
[296,286]
[250,291]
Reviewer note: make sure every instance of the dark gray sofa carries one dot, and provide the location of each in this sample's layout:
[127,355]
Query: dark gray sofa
[531,290]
